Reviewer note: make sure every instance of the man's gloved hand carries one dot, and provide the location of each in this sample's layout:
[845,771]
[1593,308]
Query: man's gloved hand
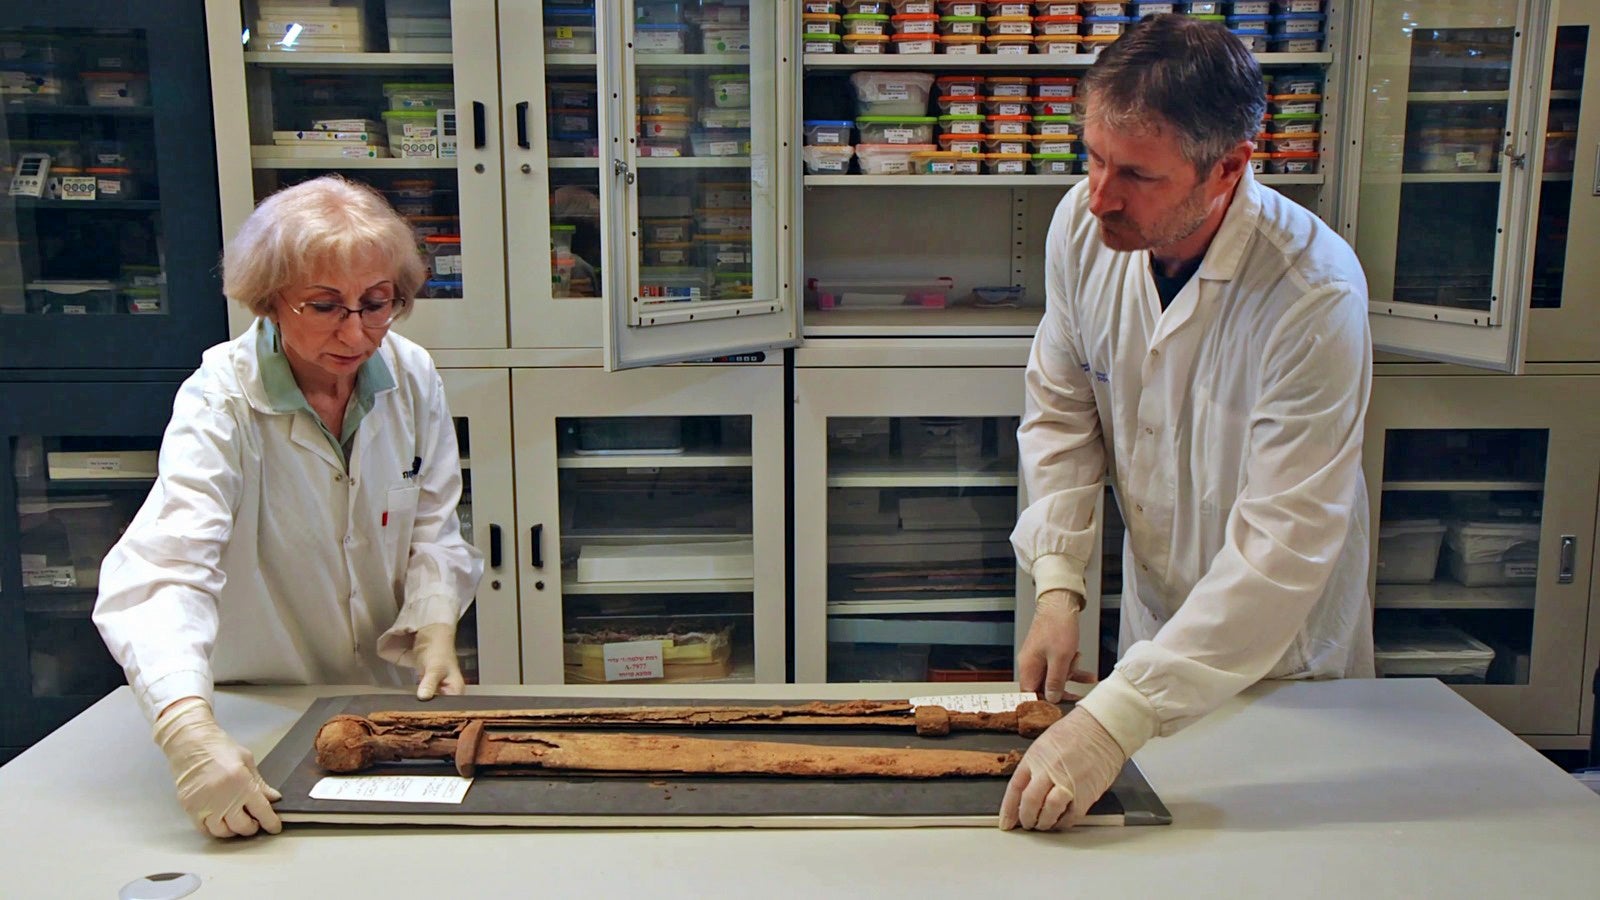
[218,784]
[1062,774]
[433,653]
[1049,655]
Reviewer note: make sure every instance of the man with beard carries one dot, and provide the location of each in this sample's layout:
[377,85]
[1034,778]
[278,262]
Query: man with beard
[1205,344]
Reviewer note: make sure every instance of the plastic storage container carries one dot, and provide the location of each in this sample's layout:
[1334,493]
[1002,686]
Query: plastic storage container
[888,159]
[820,23]
[1010,8]
[1009,106]
[915,43]
[962,44]
[724,38]
[1408,550]
[1292,163]
[661,38]
[1008,144]
[677,254]
[1010,44]
[723,142]
[827,131]
[891,93]
[960,26]
[962,143]
[1007,163]
[667,229]
[411,95]
[960,85]
[866,43]
[1492,553]
[115,88]
[1018,124]
[820,43]
[963,8]
[1057,44]
[72,297]
[865,23]
[1055,87]
[725,253]
[726,119]
[730,89]
[1057,26]
[820,6]
[961,106]
[113,183]
[674,282]
[444,256]
[868,7]
[966,125]
[1054,8]
[1008,86]
[880,293]
[413,133]
[1448,654]
[945,162]
[896,129]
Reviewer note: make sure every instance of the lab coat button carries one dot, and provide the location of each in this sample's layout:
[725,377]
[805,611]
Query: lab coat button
[337,478]
[1139,508]
[1149,430]
[349,540]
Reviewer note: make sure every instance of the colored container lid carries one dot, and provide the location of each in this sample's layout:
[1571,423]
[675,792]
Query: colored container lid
[897,120]
[442,239]
[843,123]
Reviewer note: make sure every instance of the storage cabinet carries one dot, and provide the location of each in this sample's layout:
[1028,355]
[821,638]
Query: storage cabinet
[906,491]
[1484,496]
[668,230]
[76,461]
[650,506]
[108,195]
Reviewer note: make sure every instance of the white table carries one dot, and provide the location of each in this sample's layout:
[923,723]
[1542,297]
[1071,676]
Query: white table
[1350,789]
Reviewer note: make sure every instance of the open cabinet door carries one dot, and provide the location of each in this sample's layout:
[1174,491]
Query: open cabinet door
[705,242]
[1440,191]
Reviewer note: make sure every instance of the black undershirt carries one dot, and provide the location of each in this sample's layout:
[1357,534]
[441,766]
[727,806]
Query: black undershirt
[1168,288]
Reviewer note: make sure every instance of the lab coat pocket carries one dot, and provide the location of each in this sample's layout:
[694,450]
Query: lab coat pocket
[399,515]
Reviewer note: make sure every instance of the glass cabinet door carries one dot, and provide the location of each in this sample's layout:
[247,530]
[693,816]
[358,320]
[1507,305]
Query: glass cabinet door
[107,190]
[1565,323]
[906,491]
[701,173]
[379,94]
[656,521]
[486,636]
[559,107]
[1484,528]
[1441,193]
[76,462]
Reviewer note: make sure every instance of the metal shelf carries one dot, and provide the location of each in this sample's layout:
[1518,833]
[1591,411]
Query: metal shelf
[921,475]
[325,61]
[1449,595]
[694,162]
[1458,96]
[336,162]
[86,205]
[657,461]
[692,60]
[925,606]
[996,180]
[958,321]
[1463,485]
[997,61]
[1449,177]
[571,586]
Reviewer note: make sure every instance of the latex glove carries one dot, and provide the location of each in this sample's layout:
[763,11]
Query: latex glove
[218,785]
[433,653]
[1049,655]
[1062,774]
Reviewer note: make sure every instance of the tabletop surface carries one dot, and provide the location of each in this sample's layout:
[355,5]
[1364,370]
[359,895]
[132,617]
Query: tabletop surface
[1355,788]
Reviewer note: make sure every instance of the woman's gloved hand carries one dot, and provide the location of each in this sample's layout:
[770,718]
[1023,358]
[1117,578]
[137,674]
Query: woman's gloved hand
[433,654]
[218,785]
[1062,774]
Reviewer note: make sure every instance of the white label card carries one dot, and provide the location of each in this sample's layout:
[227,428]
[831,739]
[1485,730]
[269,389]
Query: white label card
[392,788]
[634,660]
[975,702]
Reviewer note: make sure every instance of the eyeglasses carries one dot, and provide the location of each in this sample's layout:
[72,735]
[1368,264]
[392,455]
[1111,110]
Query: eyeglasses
[376,312]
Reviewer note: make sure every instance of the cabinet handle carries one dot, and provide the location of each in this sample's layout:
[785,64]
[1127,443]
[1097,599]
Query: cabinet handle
[522,126]
[495,556]
[1569,558]
[480,127]
[538,546]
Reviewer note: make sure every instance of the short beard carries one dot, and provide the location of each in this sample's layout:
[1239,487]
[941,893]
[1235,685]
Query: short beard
[1184,221]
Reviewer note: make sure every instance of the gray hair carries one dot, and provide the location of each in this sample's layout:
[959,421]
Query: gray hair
[326,221]
[1174,72]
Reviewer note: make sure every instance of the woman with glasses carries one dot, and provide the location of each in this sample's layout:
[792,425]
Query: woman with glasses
[303,526]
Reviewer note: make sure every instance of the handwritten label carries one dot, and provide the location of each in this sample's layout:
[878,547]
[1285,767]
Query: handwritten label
[392,788]
[634,660]
[50,577]
[975,702]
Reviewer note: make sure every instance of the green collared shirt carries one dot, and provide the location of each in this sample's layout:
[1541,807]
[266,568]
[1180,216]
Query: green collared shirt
[277,379]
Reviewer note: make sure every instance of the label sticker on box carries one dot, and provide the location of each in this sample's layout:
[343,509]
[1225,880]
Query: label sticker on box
[1006,702]
[392,788]
[634,660]
[897,135]
[50,576]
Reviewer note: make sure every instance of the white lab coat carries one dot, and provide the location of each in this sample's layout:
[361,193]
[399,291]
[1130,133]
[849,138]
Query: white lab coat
[257,557]
[1231,427]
